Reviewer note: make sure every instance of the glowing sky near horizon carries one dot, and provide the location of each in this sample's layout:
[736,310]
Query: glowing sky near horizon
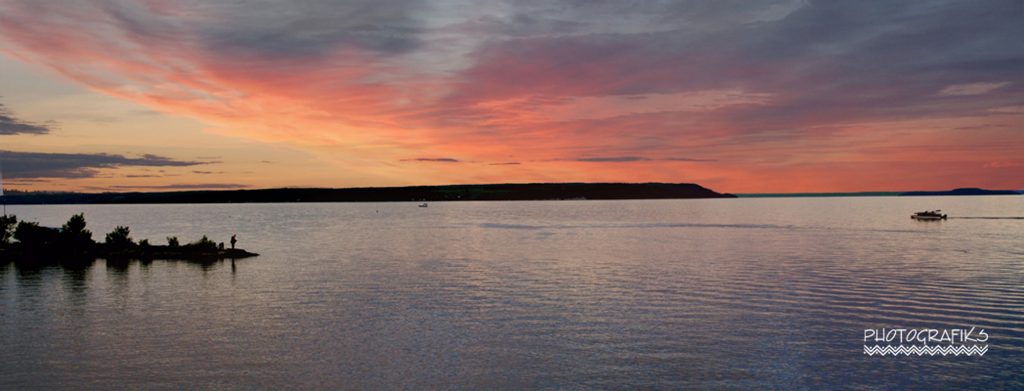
[739,96]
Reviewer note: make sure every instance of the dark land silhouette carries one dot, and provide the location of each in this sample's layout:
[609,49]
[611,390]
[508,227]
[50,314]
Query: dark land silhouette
[494,192]
[966,191]
[31,244]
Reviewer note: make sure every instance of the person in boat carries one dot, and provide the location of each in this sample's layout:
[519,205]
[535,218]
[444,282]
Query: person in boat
[233,241]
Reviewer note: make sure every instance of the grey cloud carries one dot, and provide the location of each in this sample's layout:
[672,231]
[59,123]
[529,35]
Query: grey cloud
[269,30]
[523,24]
[822,61]
[9,125]
[581,17]
[23,165]
[312,27]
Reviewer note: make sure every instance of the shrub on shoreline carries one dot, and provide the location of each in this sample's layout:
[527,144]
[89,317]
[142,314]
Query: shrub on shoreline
[120,238]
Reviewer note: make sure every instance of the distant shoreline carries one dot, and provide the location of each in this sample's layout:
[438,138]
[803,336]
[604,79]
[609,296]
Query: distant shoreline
[485,192]
[955,192]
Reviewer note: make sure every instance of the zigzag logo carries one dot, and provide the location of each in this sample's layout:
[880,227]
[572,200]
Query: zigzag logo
[923,350]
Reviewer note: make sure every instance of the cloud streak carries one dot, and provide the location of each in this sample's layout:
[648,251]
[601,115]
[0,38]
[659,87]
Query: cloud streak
[972,88]
[37,165]
[433,160]
[184,186]
[631,159]
[9,125]
[612,159]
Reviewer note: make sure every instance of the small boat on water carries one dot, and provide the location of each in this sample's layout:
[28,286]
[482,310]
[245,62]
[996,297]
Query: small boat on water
[423,205]
[929,215]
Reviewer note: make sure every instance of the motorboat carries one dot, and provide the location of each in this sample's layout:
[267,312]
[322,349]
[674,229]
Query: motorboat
[423,205]
[929,215]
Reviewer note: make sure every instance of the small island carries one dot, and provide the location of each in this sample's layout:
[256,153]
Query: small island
[29,242]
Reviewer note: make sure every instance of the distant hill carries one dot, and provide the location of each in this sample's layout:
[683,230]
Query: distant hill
[491,192]
[966,191]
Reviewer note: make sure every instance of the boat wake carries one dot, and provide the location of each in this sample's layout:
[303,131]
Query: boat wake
[989,218]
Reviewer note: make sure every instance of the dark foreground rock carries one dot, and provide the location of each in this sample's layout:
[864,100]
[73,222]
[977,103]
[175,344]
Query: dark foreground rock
[177,253]
[35,254]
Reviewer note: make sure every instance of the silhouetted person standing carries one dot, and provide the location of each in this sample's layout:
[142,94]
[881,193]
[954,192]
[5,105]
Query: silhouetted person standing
[233,241]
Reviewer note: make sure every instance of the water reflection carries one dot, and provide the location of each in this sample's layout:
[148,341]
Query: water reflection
[118,267]
[207,266]
[76,282]
[28,275]
[75,272]
[28,283]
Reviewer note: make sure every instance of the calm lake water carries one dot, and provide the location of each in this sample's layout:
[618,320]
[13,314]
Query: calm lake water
[727,293]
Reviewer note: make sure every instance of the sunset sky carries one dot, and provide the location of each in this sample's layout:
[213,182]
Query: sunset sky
[738,96]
